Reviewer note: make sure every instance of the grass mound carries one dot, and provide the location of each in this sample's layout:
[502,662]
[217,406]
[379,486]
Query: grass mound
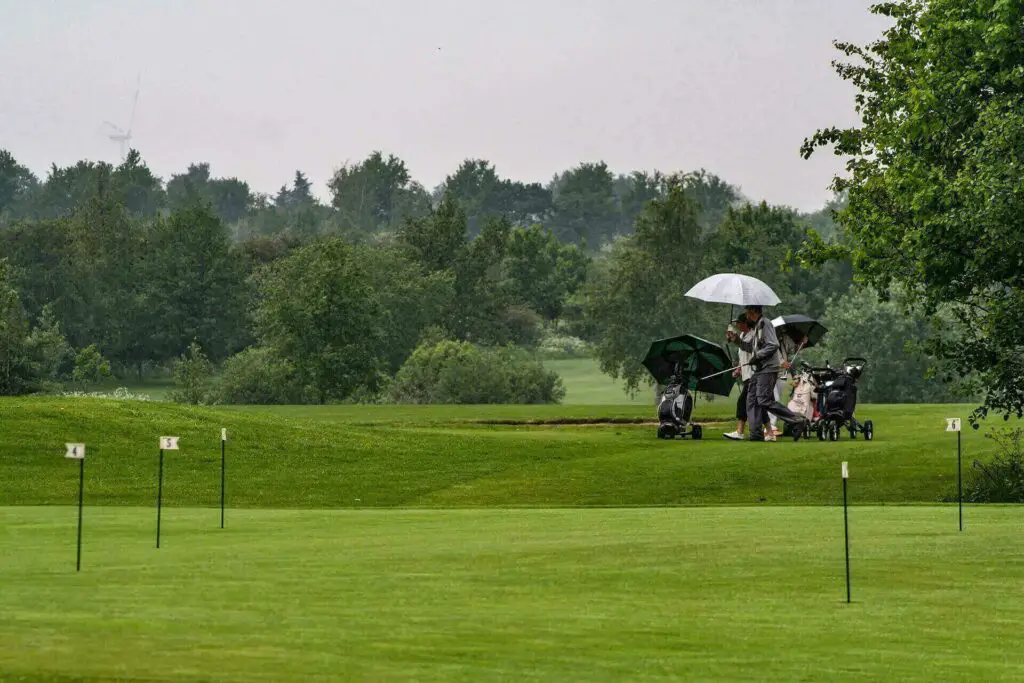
[354,456]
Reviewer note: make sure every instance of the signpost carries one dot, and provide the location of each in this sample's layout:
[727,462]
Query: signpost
[223,443]
[76,451]
[953,425]
[846,530]
[169,443]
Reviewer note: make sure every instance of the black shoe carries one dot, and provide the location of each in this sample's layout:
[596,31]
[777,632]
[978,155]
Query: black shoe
[799,430]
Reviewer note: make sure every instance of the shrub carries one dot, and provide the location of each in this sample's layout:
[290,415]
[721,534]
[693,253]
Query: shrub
[462,372]
[258,376]
[192,374]
[1000,480]
[555,345]
[90,367]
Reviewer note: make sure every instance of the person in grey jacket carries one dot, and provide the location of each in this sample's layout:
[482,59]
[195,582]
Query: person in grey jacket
[766,363]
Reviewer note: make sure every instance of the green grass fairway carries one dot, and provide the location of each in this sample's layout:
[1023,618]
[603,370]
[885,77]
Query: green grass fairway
[585,384]
[482,595]
[336,457]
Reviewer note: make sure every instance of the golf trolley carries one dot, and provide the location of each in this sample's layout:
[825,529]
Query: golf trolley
[674,411]
[837,401]
[684,365]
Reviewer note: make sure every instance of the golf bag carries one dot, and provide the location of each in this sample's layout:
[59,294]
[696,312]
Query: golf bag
[837,401]
[841,397]
[674,411]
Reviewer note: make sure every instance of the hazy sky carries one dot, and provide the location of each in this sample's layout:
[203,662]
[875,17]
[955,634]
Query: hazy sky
[260,88]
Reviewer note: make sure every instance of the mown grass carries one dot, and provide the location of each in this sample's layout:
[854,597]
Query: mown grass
[499,595]
[332,457]
[585,384]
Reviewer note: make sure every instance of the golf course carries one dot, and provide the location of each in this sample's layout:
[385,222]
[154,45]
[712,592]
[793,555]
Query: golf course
[562,342]
[493,543]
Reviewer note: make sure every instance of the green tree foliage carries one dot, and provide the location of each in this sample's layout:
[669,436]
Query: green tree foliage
[52,356]
[102,300]
[141,191]
[192,373]
[258,375]
[585,207]
[891,338]
[540,272]
[294,212]
[714,196]
[39,252]
[935,173]
[17,185]
[461,372]
[479,309]
[1001,479]
[16,374]
[757,240]
[90,367]
[410,298]
[230,198]
[482,194]
[375,195]
[637,294]
[194,285]
[318,308]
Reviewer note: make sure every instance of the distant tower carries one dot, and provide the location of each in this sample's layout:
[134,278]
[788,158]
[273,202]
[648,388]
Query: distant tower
[120,136]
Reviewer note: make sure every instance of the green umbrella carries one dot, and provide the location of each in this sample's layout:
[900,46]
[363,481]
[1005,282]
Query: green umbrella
[690,358]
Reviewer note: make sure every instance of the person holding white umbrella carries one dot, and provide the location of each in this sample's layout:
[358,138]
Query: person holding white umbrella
[766,364]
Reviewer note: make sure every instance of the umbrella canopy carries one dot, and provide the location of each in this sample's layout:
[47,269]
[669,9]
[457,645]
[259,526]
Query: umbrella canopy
[735,289]
[690,357]
[796,327]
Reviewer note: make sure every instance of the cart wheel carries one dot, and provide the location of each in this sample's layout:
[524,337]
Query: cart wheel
[697,433]
[821,431]
[833,432]
[853,431]
[663,432]
[869,430]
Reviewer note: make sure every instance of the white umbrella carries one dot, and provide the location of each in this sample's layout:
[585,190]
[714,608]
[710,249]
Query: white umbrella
[735,289]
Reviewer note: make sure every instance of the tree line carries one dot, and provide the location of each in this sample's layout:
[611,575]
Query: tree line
[294,300]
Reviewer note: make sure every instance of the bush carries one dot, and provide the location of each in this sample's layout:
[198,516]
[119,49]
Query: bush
[1002,479]
[554,345]
[90,367]
[461,372]
[192,374]
[258,376]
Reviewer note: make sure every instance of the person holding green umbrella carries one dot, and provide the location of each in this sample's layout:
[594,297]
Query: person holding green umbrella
[766,363]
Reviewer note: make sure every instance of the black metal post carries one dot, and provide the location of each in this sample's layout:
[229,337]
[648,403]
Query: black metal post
[81,488]
[159,496]
[222,465]
[846,532]
[959,481]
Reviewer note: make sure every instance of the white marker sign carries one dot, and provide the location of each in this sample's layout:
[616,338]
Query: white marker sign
[223,434]
[952,424]
[169,443]
[846,471]
[76,451]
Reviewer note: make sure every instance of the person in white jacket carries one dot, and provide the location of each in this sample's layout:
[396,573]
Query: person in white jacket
[743,373]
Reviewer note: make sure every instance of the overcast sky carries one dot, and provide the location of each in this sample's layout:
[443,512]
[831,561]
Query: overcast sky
[260,88]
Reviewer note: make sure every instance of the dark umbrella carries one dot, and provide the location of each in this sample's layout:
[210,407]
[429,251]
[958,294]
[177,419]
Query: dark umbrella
[796,327]
[688,357]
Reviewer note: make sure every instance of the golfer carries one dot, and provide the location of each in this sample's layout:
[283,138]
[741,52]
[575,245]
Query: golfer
[766,364]
[743,373]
